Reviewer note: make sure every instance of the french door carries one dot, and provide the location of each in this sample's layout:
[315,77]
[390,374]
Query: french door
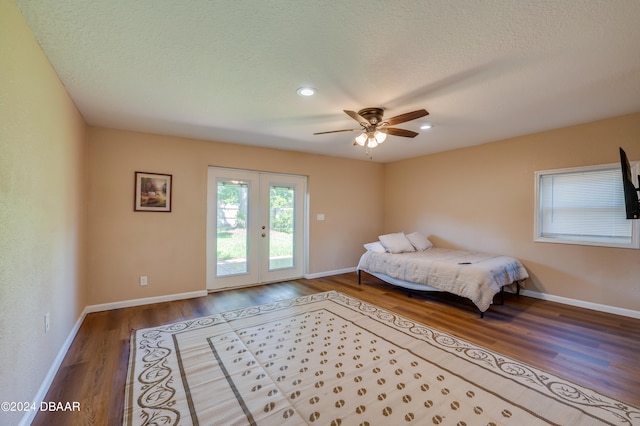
[255,227]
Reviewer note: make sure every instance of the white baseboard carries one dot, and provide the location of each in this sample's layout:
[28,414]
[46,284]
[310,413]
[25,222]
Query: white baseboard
[582,304]
[53,370]
[145,301]
[329,273]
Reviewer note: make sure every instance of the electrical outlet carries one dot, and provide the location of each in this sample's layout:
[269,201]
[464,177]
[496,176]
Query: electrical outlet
[47,322]
[143,280]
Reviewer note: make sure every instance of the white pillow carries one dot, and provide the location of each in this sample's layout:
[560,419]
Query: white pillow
[396,243]
[375,247]
[419,241]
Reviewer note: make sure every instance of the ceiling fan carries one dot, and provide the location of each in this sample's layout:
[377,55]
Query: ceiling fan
[375,129]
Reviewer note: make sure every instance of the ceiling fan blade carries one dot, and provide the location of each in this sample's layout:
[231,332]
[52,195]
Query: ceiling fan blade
[406,117]
[336,131]
[360,119]
[400,132]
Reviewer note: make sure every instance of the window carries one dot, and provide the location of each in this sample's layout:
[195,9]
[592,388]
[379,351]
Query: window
[584,205]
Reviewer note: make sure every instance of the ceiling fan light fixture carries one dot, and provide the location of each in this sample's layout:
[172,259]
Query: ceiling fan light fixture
[371,139]
[306,91]
[426,126]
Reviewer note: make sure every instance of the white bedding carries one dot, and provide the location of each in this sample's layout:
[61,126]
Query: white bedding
[474,275]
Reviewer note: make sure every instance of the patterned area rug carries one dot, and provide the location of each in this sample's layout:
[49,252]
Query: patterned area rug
[331,359]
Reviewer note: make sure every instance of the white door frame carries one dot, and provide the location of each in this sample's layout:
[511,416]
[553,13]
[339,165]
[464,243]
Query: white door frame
[258,271]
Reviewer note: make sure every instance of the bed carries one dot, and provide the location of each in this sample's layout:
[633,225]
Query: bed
[420,266]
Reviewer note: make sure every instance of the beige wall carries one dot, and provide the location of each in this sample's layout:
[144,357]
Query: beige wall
[483,198]
[42,175]
[170,248]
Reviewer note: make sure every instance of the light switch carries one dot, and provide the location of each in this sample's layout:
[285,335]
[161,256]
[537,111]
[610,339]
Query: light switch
[320,216]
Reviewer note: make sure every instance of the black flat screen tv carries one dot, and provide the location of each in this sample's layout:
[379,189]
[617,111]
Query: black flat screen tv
[631,201]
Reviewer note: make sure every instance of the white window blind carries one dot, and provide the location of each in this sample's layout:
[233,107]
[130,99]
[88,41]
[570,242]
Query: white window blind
[583,206]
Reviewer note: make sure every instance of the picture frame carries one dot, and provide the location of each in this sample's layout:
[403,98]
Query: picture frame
[153,192]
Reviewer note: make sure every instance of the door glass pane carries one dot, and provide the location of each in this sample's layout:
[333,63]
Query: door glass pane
[232,247]
[281,227]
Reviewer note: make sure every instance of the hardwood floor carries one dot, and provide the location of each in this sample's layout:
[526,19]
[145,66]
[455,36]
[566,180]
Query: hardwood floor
[594,349]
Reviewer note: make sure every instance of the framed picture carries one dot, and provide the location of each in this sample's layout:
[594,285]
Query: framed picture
[152,192]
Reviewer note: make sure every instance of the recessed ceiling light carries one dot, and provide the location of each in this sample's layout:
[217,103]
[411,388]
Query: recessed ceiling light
[306,91]
[426,126]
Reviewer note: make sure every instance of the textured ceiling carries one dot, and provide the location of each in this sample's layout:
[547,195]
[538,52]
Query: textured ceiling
[229,70]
